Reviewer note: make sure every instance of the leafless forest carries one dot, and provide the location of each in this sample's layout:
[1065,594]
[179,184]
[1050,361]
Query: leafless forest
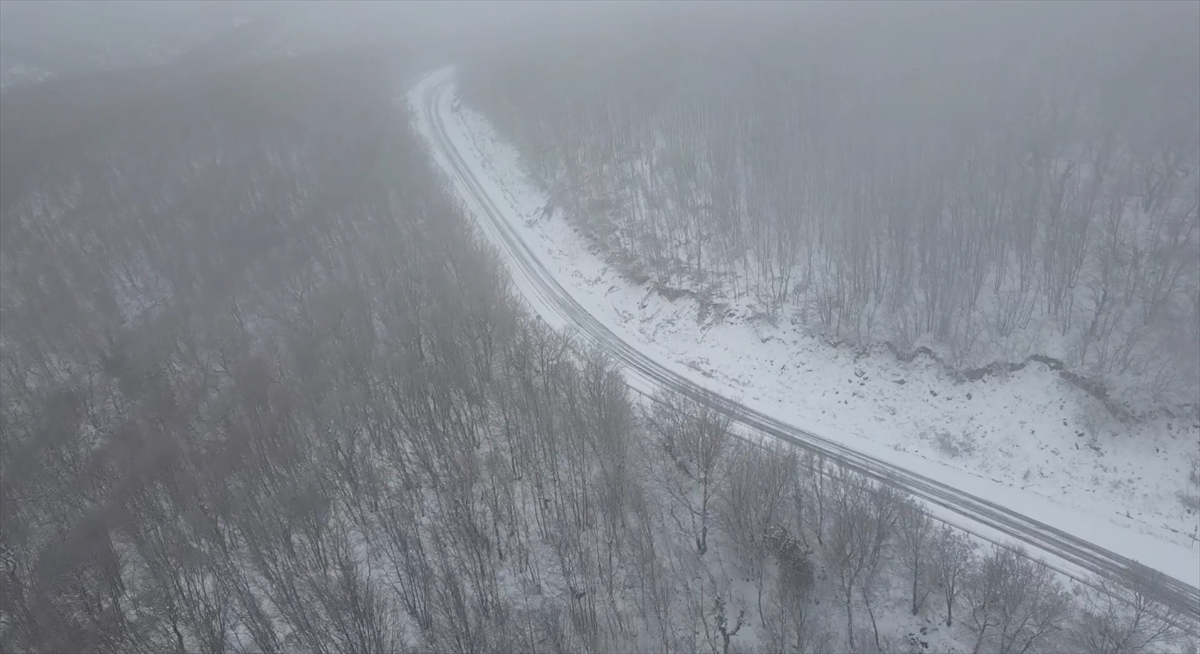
[989,181]
[263,389]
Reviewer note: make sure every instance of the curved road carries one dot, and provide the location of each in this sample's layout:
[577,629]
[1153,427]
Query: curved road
[1180,596]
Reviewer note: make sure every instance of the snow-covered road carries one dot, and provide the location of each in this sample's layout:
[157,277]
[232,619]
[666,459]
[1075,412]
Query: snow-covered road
[1072,542]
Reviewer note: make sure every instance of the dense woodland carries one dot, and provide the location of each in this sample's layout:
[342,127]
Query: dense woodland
[262,390]
[992,181]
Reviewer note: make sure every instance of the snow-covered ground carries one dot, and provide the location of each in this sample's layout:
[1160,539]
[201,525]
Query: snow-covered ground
[1027,440]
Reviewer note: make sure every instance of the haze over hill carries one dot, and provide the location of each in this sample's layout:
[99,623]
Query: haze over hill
[724,327]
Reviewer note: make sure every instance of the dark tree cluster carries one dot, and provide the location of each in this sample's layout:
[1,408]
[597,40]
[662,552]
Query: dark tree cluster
[994,180]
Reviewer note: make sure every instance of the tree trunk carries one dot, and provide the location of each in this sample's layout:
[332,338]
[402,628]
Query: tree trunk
[871,614]
[849,623]
[914,589]
[949,610]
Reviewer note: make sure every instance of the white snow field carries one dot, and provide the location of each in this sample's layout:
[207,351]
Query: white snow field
[1027,441]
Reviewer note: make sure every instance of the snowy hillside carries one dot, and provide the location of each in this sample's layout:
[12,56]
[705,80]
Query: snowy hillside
[1027,430]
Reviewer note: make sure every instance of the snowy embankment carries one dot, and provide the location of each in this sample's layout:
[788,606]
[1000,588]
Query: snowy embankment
[1027,441]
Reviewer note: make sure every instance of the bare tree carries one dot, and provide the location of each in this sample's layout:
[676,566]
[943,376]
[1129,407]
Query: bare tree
[864,520]
[755,497]
[952,562]
[696,438]
[1016,603]
[1119,618]
[915,537]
